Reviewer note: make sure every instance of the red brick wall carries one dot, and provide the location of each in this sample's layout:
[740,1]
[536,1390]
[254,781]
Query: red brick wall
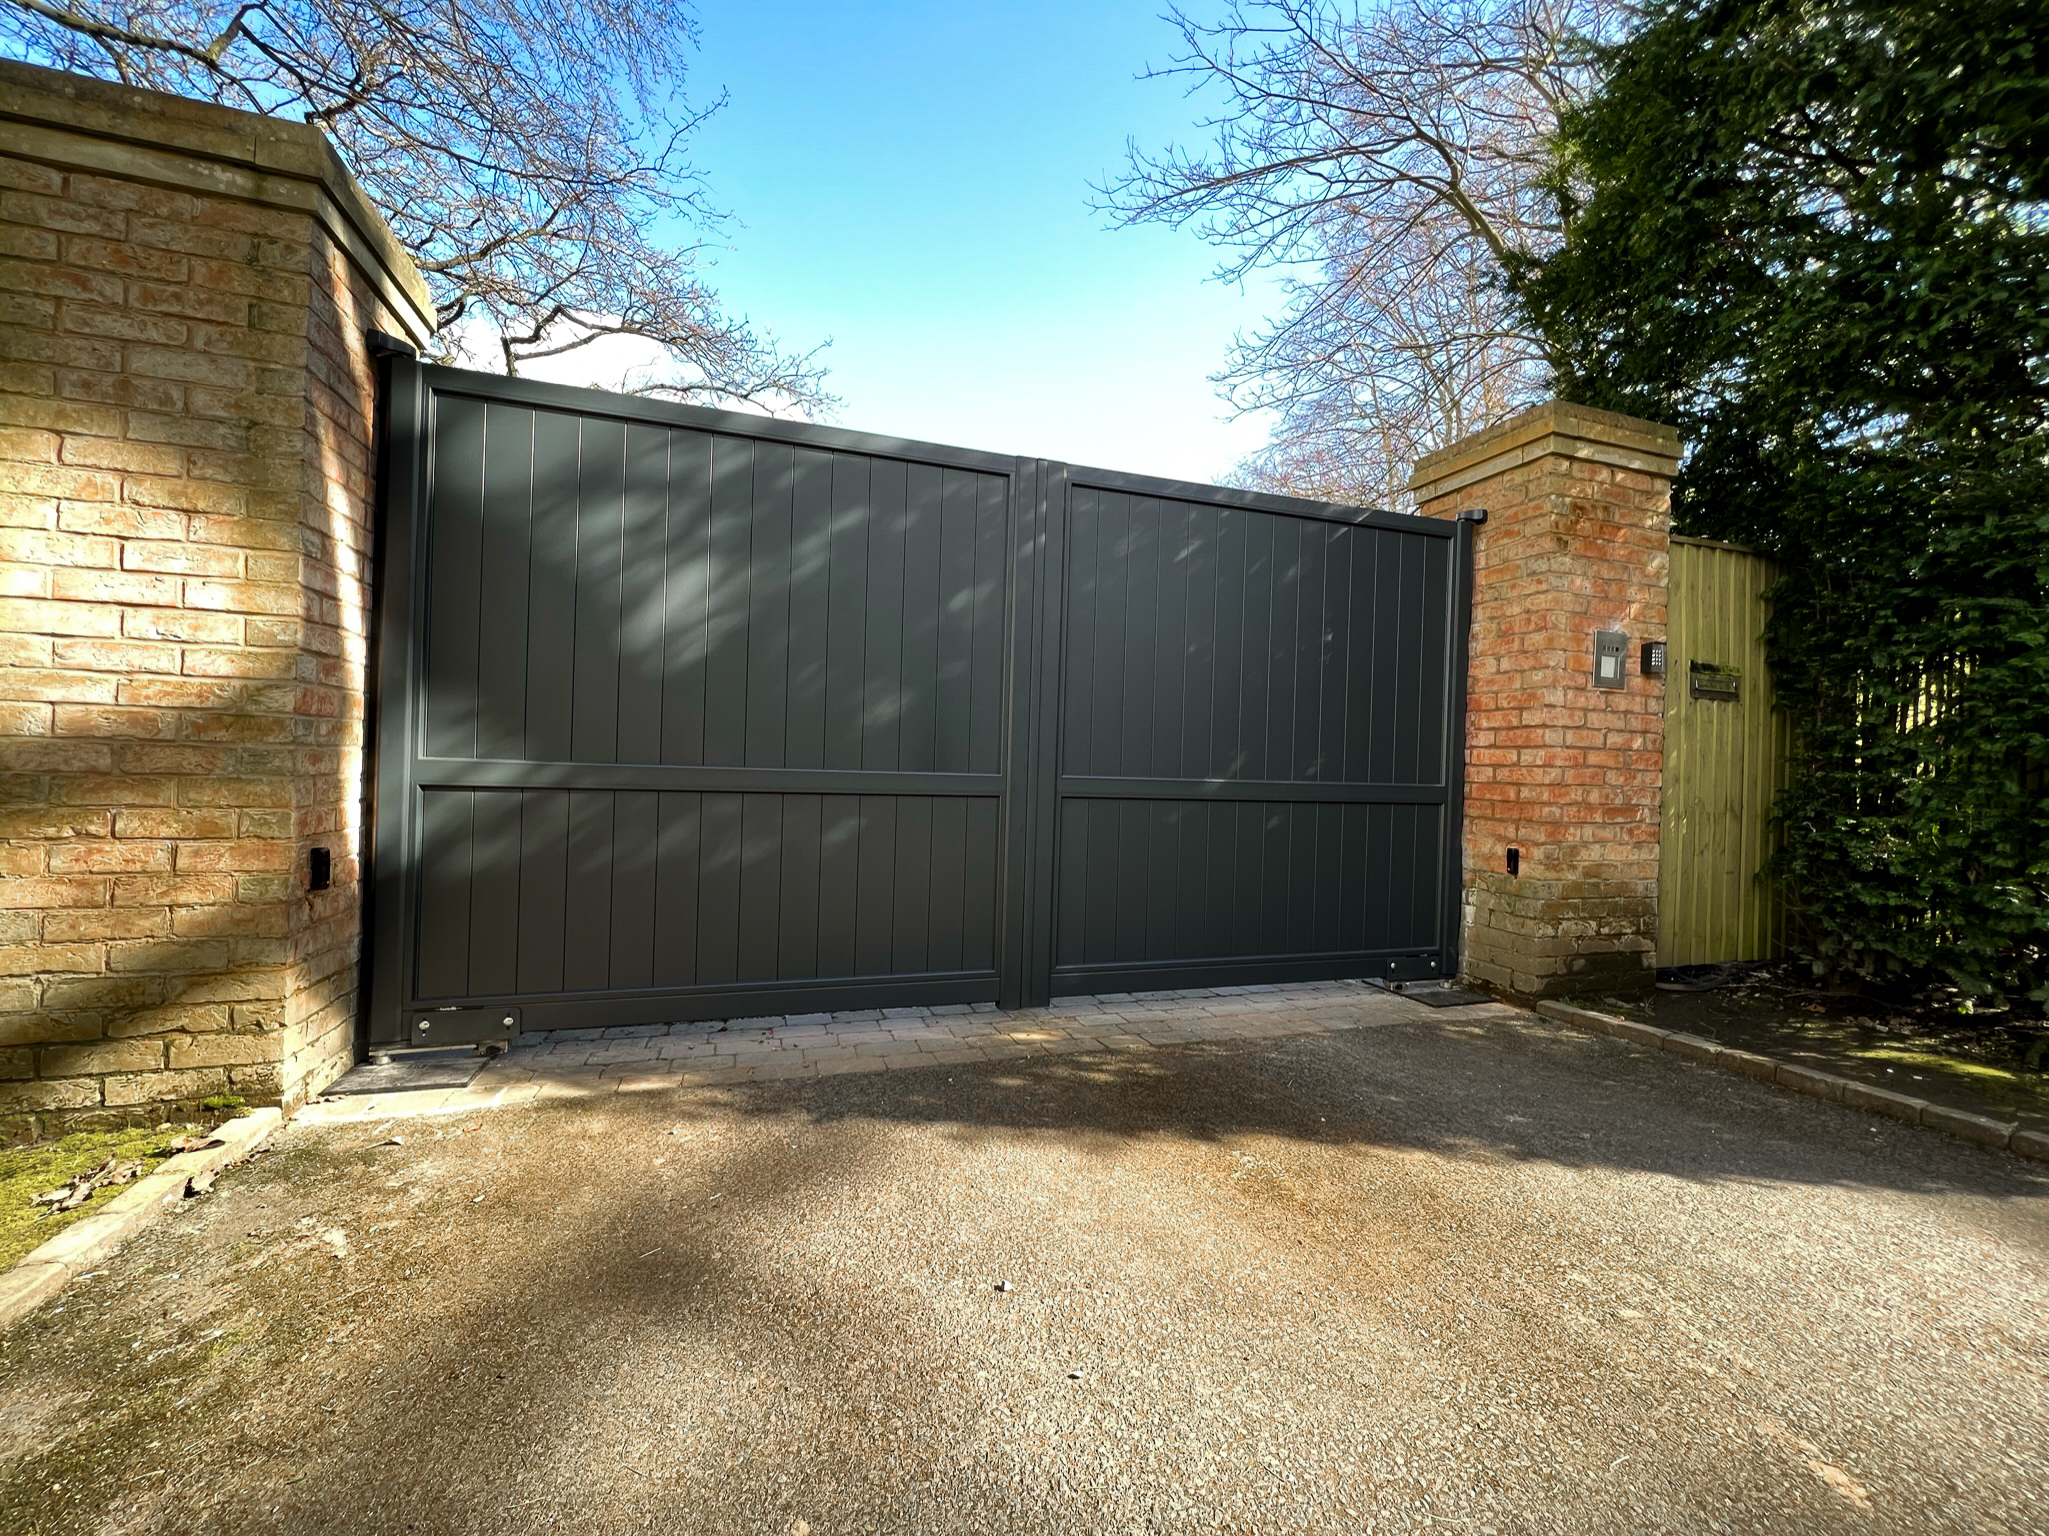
[184,540]
[1568,774]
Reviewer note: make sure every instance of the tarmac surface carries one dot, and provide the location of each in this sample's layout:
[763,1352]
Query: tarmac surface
[1411,1271]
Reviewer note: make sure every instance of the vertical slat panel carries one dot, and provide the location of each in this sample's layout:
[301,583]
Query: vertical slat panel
[985,752]
[1199,686]
[911,941]
[635,830]
[502,616]
[1283,653]
[1352,877]
[1070,914]
[494,894]
[1100,896]
[453,575]
[1105,661]
[1138,658]
[444,965]
[1170,641]
[875,922]
[761,885]
[587,925]
[718,888]
[1311,624]
[1389,656]
[1359,665]
[951,727]
[1256,701]
[810,606]
[797,922]
[1436,661]
[725,683]
[839,895]
[1160,895]
[643,617]
[1227,757]
[600,525]
[846,615]
[882,709]
[920,677]
[1409,676]
[551,587]
[768,606]
[1334,653]
[677,858]
[685,636]
[978,888]
[543,881]
[1084,573]
[948,864]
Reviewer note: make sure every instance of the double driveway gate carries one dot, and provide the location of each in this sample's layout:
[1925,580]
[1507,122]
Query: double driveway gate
[689,715]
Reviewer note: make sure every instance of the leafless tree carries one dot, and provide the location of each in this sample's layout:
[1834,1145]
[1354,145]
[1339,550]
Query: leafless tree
[531,154]
[1388,159]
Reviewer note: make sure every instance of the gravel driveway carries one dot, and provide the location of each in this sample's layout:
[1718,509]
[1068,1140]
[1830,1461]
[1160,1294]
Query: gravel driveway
[1439,1272]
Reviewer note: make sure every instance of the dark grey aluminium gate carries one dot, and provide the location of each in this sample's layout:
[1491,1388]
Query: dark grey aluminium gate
[685,714]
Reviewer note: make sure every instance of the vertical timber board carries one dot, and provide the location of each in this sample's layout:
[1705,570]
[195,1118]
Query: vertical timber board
[1725,763]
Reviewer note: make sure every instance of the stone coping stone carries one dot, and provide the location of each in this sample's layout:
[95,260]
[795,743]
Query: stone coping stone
[40,1275]
[1813,1082]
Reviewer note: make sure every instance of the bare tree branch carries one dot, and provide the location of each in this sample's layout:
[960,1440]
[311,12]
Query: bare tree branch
[531,155]
[1385,157]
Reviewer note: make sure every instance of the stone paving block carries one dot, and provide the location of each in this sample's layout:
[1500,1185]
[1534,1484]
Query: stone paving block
[634,1031]
[1883,1101]
[1694,1047]
[836,1068]
[1821,1085]
[2034,1144]
[1750,1064]
[1979,1128]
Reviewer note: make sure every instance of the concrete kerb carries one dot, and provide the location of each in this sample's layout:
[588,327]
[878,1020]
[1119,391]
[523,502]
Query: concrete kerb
[85,1244]
[1811,1081]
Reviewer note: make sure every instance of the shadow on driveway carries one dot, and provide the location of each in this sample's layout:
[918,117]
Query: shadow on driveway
[1477,1274]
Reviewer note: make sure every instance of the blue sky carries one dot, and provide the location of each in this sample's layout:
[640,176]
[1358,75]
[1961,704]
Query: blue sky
[911,180]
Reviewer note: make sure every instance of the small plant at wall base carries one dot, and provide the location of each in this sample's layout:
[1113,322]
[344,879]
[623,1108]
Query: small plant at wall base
[1815,237]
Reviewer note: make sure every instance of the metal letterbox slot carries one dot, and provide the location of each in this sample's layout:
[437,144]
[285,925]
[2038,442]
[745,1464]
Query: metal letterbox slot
[1705,680]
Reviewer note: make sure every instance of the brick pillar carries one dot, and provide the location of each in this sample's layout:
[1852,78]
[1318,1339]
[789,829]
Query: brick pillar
[1567,774]
[185,525]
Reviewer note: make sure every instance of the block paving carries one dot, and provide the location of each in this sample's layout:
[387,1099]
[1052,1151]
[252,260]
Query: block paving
[652,1057]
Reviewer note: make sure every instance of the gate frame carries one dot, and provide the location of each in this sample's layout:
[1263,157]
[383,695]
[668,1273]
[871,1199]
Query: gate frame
[1038,513]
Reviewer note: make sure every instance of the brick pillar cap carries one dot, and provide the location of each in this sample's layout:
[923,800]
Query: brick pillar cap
[1554,427]
[111,129]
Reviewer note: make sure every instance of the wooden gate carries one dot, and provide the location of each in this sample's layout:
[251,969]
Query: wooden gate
[1725,761]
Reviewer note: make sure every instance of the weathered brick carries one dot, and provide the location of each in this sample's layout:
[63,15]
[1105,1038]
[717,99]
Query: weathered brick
[106,923]
[161,1087]
[52,891]
[73,1093]
[116,656]
[50,959]
[102,1057]
[223,1050]
[34,616]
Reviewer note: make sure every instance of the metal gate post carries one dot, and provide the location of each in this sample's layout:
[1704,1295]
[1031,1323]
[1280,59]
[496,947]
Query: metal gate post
[390,715]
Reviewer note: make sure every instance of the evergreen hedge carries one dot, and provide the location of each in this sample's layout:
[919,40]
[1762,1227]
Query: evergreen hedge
[1814,236]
